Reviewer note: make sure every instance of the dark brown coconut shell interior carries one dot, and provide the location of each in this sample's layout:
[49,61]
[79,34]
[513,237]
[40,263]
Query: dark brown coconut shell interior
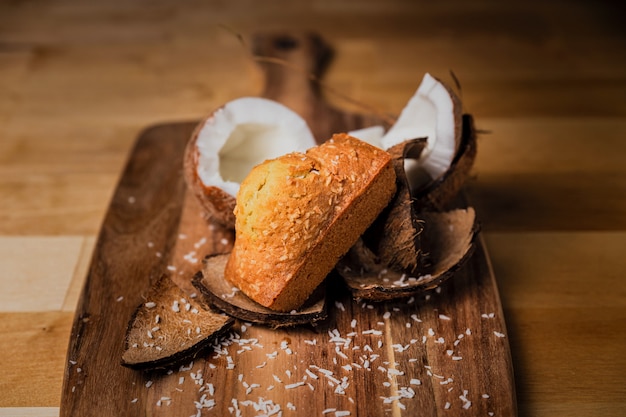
[447,241]
[221,294]
[161,335]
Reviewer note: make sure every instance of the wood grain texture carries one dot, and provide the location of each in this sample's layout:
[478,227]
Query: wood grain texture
[29,411]
[56,261]
[552,333]
[79,80]
[24,336]
[445,352]
[131,253]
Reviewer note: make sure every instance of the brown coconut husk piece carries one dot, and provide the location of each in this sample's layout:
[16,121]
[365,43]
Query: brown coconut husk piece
[394,236]
[447,241]
[169,328]
[221,294]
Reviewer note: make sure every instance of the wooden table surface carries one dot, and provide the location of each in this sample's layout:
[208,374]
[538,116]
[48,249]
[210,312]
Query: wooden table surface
[545,81]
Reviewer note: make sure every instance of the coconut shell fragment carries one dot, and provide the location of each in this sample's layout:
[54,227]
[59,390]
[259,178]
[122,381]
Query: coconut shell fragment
[447,241]
[395,234]
[221,294]
[435,112]
[169,328]
[440,192]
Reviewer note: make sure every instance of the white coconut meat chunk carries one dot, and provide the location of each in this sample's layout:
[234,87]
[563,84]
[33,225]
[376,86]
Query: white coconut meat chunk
[372,135]
[244,133]
[430,114]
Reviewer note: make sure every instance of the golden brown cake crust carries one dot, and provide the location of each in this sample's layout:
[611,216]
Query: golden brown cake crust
[298,214]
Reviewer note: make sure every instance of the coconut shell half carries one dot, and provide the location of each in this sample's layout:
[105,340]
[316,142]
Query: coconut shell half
[447,241]
[169,328]
[221,294]
[231,141]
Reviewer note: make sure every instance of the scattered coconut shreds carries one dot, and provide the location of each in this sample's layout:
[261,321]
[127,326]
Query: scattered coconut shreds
[294,385]
[355,355]
[351,358]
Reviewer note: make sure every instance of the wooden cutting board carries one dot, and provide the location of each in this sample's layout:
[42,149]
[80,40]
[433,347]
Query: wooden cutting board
[441,353]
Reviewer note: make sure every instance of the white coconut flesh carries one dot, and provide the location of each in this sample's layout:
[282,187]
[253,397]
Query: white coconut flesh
[371,135]
[244,133]
[428,114]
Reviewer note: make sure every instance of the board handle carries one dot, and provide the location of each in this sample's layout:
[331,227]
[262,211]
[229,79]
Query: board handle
[294,65]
